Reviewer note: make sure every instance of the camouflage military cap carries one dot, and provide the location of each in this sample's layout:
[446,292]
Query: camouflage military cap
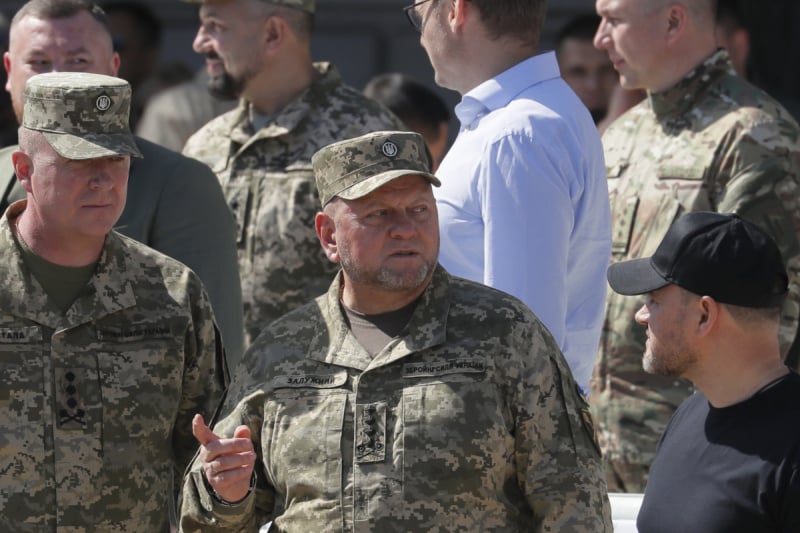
[354,168]
[82,115]
[304,5]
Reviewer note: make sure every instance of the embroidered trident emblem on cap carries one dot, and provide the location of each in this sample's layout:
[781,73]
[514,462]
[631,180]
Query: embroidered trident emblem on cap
[389,149]
[103,102]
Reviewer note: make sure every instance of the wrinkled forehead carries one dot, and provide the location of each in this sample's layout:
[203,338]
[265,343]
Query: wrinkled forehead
[60,36]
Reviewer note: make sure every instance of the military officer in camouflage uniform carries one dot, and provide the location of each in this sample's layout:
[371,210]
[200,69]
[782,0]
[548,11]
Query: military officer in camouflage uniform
[702,140]
[107,347]
[404,399]
[175,203]
[261,151]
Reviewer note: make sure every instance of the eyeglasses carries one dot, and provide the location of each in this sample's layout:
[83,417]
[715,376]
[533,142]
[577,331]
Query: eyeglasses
[413,16]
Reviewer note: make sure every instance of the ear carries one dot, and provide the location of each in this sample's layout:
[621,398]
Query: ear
[274,33]
[326,233]
[708,314]
[7,65]
[458,15]
[115,61]
[677,19]
[23,168]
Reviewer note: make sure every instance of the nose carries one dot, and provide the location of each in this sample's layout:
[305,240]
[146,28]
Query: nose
[402,227]
[200,43]
[642,315]
[101,179]
[601,37]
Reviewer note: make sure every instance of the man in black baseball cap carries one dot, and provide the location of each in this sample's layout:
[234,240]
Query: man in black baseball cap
[729,458]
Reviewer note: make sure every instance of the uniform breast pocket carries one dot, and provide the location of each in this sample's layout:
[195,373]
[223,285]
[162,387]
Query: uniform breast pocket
[287,201]
[677,191]
[141,374]
[302,442]
[453,423]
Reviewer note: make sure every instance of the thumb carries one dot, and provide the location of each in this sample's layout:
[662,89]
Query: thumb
[242,432]
[201,431]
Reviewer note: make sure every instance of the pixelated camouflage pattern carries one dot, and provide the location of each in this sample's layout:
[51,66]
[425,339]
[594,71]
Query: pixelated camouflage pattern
[269,184]
[469,421]
[711,143]
[96,405]
[175,205]
[82,115]
[305,5]
[356,167]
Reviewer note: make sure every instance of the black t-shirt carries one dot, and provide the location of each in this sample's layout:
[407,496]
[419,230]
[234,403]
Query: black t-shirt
[728,470]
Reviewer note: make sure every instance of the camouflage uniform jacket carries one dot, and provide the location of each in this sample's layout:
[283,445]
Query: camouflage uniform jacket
[713,142]
[175,205]
[96,405]
[470,420]
[269,184]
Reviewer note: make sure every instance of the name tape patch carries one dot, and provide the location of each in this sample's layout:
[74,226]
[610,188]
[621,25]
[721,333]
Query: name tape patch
[25,334]
[471,365]
[134,333]
[310,381]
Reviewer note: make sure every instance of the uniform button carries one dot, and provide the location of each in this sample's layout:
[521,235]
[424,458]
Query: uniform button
[369,420]
[71,389]
[70,376]
[369,432]
[72,403]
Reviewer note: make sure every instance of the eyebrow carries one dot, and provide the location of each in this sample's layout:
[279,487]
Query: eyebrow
[71,52]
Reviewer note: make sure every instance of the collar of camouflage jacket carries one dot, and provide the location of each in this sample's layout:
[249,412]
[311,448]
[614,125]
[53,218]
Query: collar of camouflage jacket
[680,98]
[109,289]
[427,327]
[287,119]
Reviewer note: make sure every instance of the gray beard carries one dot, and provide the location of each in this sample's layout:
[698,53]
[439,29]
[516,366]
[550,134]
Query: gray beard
[225,87]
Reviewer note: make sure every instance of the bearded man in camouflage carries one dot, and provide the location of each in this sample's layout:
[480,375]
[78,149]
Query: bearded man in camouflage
[261,151]
[702,140]
[107,347]
[404,399]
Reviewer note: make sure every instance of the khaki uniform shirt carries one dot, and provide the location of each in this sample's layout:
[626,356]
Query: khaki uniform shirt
[269,184]
[96,405]
[713,142]
[469,420]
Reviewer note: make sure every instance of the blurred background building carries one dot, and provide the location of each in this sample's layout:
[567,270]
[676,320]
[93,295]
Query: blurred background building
[368,37]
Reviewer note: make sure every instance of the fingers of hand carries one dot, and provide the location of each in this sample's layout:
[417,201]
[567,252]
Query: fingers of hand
[230,472]
[201,431]
[242,432]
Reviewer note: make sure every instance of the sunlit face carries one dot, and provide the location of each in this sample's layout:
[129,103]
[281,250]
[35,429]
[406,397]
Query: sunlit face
[388,241]
[633,33]
[667,351]
[74,199]
[589,72]
[435,39]
[228,37]
[73,44]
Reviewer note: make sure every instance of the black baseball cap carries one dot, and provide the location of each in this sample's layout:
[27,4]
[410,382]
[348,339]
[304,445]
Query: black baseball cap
[710,254]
